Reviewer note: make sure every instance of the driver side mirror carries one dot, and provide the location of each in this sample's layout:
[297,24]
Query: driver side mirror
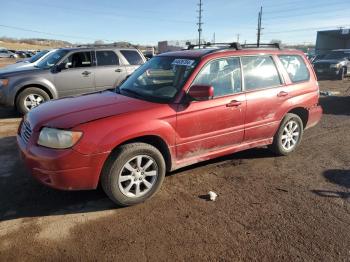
[60,67]
[201,92]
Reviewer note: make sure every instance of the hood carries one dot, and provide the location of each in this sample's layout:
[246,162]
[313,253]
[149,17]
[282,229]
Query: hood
[68,112]
[13,70]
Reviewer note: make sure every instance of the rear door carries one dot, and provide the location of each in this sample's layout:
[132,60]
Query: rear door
[78,75]
[132,59]
[109,70]
[264,93]
[204,126]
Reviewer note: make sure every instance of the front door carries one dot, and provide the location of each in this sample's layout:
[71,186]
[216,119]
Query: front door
[204,126]
[78,76]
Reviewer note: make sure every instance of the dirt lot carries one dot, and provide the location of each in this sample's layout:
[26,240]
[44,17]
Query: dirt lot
[294,208]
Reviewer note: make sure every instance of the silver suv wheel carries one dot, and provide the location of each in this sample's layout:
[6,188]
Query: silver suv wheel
[33,100]
[290,135]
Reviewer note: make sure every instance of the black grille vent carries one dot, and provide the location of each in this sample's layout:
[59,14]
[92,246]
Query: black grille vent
[26,131]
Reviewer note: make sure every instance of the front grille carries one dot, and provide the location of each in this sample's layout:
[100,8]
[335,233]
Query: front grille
[322,65]
[26,131]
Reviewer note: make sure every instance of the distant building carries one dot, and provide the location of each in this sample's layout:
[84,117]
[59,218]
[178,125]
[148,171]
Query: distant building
[332,39]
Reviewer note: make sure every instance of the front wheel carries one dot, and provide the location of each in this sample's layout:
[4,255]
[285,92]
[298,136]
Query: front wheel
[134,173]
[30,98]
[341,74]
[288,136]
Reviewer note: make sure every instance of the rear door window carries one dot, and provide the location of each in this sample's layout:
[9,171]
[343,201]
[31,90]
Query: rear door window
[259,72]
[106,58]
[133,57]
[295,67]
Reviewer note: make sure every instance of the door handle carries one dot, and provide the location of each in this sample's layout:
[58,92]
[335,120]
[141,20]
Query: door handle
[234,103]
[282,93]
[86,73]
[118,70]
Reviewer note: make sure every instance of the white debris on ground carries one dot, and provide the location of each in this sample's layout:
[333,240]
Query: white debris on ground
[212,195]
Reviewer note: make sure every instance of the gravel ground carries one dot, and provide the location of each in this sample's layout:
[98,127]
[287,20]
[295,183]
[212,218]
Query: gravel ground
[294,208]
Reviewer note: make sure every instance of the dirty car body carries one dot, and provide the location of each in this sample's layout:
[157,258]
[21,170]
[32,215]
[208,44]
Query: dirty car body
[177,109]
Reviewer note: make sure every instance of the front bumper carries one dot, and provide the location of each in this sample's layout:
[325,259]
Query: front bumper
[315,114]
[62,169]
[327,72]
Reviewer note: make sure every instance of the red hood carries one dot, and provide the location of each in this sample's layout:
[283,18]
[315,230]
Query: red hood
[69,112]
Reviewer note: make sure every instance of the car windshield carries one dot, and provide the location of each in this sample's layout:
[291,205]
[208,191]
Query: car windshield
[52,59]
[335,55]
[159,79]
[37,56]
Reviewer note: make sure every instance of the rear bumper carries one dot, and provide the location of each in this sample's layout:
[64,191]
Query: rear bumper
[315,114]
[62,169]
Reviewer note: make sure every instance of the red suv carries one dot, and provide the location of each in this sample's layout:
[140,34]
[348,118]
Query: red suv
[177,109]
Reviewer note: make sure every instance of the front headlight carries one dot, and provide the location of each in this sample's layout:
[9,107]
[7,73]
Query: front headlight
[59,139]
[335,65]
[4,82]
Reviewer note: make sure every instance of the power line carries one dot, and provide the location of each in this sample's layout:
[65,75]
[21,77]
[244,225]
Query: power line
[47,33]
[307,29]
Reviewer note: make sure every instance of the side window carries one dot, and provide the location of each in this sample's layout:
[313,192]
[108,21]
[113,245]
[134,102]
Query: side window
[79,59]
[106,58]
[223,74]
[295,67]
[133,57]
[259,72]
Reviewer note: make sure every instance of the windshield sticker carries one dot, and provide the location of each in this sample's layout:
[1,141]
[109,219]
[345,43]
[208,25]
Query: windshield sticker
[183,62]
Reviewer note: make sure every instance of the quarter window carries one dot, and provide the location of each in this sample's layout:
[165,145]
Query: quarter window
[133,57]
[259,72]
[295,67]
[106,58]
[223,74]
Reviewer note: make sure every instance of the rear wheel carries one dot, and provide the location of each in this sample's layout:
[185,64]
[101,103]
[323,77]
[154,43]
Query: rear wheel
[30,98]
[288,136]
[133,174]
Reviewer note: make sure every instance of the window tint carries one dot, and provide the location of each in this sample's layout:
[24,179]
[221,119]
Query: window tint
[80,59]
[105,58]
[223,74]
[295,67]
[259,72]
[133,57]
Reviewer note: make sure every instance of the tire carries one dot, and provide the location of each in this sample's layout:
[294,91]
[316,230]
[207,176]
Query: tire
[24,98]
[280,140]
[341,74]
[116,169]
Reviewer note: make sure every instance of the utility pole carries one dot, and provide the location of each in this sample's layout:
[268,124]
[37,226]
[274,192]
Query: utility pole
[238,38]
[259,27]
[200,10]
[213,40]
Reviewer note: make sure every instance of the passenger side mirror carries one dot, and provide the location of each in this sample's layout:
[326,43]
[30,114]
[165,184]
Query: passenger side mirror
[201,92]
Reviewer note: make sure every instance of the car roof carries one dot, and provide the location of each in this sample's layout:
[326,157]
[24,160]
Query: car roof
[93,48]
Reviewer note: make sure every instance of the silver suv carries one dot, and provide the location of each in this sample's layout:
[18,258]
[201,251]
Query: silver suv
[68,72]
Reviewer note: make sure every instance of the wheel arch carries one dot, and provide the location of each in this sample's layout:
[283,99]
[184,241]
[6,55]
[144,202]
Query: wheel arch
[302,112]
[42,87]
[153,140]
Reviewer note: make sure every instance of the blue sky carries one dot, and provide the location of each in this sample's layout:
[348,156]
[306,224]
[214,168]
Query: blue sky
[147,22]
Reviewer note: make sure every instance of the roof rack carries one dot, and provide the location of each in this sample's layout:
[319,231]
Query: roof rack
[234,45]
[271,45]
[103,45]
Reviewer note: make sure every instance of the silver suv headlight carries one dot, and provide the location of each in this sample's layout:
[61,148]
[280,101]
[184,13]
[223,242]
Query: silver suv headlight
[59,139]
[335,65]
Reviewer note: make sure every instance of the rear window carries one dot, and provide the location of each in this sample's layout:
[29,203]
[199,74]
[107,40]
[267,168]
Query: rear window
[133,57]
[295,67]
[106,58]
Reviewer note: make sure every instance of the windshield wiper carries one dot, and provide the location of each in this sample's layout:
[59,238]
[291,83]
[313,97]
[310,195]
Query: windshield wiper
[130,91]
